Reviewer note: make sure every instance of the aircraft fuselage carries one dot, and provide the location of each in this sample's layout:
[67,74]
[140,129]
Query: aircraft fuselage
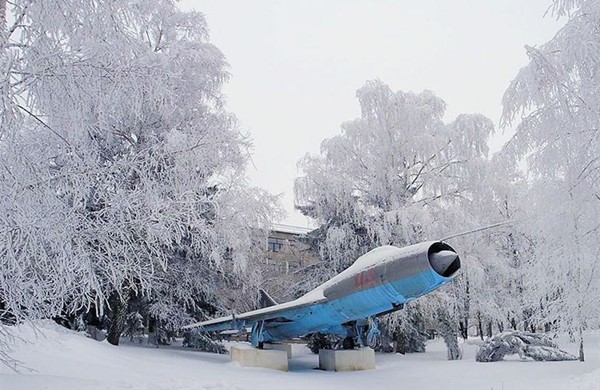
[378,282]
[369,291]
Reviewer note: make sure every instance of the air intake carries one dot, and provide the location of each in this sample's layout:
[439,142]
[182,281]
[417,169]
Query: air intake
[443,259]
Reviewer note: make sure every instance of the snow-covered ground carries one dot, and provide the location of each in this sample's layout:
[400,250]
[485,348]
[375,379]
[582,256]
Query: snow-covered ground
[65,360]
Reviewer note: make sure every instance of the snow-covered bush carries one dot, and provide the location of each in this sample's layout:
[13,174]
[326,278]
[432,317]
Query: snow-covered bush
[199,340]
[318,341]
[533,345]
[406,328]
[447,325]
[134,326]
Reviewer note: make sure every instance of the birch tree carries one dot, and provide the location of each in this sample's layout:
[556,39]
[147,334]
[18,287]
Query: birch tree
[554,103]
[381,178]
[117,157]
[392,175]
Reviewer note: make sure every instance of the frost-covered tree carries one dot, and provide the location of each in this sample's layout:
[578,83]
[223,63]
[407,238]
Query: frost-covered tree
[120,168]
[491,288]
[380,181]
[392,175]
[554,102]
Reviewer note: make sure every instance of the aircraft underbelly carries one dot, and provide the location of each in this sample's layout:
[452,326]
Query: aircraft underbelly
[384,297]
[319,318]
[417,285]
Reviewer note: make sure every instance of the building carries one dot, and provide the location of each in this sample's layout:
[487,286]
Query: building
[285,250]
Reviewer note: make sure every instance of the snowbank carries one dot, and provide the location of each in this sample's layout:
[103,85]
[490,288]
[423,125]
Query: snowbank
[66,360]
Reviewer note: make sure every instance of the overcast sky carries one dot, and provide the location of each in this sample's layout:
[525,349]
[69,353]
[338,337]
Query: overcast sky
[296,65]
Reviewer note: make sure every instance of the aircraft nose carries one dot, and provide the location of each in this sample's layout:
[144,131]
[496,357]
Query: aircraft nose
[444,262]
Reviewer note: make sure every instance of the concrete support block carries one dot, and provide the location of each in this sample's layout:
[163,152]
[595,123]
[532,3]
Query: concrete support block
[279,347]
[251,357]
[347,360]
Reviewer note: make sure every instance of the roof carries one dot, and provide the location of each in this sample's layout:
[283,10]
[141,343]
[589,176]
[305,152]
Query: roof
[278,227]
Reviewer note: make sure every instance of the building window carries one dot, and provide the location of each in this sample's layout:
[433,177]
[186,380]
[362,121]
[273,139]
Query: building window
[275,244]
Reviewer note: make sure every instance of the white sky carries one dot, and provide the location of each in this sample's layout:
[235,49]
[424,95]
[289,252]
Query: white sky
[296,65]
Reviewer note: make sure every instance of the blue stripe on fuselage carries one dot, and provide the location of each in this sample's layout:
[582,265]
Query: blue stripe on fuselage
[329,317]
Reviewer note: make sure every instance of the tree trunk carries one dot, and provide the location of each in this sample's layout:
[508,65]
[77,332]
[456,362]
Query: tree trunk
[581,354]
[454,352]
[118,305]
[480,326]
[464,329]
[447,328]
[464,325]
[2,16]
[151,324]
[400,344]
[489,329]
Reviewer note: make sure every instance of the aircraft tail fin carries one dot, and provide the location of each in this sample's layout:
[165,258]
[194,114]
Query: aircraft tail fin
[265,299]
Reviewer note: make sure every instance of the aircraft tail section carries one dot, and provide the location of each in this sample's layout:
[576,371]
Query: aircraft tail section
[265,299]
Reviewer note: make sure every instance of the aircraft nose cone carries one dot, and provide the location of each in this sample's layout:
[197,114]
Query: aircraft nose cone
[442,262]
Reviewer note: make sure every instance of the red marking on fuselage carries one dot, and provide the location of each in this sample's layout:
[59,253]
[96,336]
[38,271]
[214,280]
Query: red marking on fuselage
[366,279]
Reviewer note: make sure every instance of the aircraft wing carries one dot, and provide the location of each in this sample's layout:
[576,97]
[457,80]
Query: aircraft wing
[284,312]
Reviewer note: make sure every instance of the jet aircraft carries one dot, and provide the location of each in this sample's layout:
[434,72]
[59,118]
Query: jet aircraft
[379,282]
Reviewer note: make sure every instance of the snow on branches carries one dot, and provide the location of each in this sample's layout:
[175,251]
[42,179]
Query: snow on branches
[394,164]
[396,175]
[117,158]
[554,103]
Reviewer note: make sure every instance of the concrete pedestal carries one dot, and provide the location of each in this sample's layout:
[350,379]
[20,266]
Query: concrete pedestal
[347,360]
[251,357]
[279,347]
